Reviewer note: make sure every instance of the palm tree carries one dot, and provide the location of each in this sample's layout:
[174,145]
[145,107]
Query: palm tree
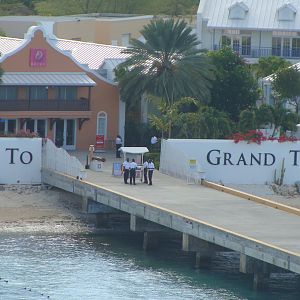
[167,64]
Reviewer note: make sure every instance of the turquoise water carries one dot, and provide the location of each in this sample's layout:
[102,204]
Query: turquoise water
[93,267]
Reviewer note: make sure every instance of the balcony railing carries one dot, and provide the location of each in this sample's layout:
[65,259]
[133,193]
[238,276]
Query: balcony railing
[247,51]
[45,105]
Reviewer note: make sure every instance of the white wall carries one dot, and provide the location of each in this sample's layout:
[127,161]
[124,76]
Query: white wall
[20,160]
[255,39]
[59,160]
[266,39]
[206,36]
[225,161]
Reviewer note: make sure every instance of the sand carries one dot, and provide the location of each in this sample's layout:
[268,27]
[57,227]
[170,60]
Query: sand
[38,209]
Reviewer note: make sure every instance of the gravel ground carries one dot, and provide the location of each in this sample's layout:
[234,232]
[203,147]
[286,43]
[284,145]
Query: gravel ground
[285,194]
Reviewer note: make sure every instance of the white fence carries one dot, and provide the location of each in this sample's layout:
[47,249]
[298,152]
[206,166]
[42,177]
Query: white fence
[227,162]
[59,160]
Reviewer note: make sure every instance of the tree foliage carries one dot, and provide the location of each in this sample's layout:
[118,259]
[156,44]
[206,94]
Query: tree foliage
[213,124]
[234,89]
[154,7]
[15,7]
[167,65]
[286,85]
[269,65]
[247,120]
[205,123]
[266,116]
[192,119]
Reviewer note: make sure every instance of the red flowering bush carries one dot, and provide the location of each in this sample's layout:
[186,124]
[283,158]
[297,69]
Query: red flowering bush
[21,133]
[256,136]
[284,138]
[251,136]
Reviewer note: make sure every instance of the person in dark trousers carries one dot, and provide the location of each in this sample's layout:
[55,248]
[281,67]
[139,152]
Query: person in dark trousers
[145,171]
[118,146]
[151,168]
[126,168]
[133,166]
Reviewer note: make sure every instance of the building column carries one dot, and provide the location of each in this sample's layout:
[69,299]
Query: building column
[122,111]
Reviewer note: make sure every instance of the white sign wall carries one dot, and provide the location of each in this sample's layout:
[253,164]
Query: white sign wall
[225,161]
[20,160]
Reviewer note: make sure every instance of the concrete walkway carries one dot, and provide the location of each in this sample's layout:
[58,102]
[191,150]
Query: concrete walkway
[259,222]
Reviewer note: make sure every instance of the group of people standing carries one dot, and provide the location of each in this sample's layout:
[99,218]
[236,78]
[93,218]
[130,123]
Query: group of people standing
[129,171]
[129,168]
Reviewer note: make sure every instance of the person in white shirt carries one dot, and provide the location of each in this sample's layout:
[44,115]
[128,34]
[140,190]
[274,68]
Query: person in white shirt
[145,171]
[126,168]
[118,146]
[151,168]
[153,140]
[133,166]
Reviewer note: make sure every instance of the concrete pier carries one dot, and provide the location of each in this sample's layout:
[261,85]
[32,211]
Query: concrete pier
[206,218]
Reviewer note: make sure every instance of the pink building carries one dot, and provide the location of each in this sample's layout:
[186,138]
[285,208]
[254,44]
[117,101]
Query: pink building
[62,89]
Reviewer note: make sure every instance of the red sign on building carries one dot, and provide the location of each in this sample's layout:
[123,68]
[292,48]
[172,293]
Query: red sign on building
[99,142]
[37,57]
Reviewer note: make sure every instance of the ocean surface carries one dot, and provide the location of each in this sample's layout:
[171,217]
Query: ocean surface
[90,267]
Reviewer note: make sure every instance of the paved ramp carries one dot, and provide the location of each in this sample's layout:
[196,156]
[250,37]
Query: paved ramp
[259,231]
[224,210]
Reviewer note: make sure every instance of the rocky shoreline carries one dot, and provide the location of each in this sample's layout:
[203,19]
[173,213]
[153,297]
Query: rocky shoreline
[25,208]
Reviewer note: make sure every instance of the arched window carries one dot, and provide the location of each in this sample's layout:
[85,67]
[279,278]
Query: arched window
[102,123]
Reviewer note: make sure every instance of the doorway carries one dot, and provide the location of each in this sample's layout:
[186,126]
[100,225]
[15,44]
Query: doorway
[65,134]
[37,125]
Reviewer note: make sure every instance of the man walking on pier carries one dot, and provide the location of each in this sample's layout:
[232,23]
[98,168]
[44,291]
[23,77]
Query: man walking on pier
[133,166]
[151,168]
[145,171]
[126,168]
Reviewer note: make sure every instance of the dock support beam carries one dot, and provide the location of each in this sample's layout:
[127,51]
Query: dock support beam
[260,280]
[85,204]
[203,250]
[152,232]
[259,269]
[150,241]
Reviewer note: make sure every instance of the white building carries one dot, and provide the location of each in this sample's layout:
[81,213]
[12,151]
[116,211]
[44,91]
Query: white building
[253,28]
